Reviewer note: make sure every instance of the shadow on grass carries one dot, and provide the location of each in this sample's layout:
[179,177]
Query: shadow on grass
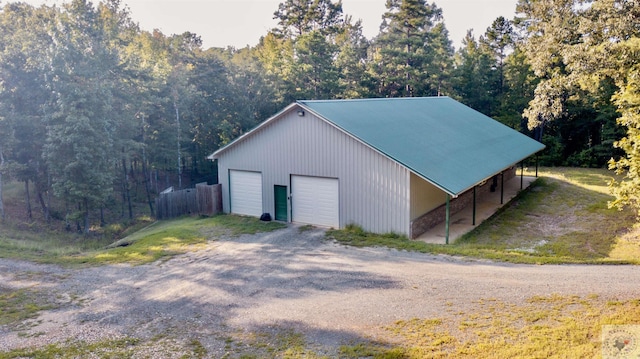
[292,339]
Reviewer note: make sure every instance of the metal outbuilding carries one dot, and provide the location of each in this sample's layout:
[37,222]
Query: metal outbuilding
[387,165]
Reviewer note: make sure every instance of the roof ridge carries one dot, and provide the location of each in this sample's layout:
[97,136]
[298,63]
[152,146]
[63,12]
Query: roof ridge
[373,99]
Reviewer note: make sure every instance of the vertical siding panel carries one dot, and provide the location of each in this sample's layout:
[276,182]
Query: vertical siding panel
[360,210]
[346,196]
[379,217]
[348,188]
[383,221]
[396,188]
[404,184]
[364,206]
[347,163]
[371,204]
[323,147]
[364,209]
[352,188]
[309,139]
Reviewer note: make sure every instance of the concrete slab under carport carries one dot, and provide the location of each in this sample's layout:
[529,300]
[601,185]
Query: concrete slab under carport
[486,206]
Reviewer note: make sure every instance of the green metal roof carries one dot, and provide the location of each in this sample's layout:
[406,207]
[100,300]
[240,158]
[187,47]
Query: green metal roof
[439,139]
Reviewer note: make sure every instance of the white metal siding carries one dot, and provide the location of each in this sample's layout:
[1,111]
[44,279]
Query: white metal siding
[246,192]
[374,190]
[315,200]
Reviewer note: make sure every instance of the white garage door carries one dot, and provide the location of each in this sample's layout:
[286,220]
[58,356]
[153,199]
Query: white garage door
[246,192]
[315,201]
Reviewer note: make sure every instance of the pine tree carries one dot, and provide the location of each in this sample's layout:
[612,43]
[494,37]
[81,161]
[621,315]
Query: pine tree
[519,85]
[80,140]
[406,58]
[354,80]
[23,62]
[474,83]
[298,17]
[299,54]
[499,40]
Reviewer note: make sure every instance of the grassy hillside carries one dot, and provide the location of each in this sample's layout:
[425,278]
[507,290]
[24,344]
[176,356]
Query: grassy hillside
[562,218]
[155,241]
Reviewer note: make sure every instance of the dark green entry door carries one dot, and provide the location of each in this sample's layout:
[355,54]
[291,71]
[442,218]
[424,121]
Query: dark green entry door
[281,203]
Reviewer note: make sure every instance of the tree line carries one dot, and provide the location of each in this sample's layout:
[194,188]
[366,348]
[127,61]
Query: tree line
[95,111]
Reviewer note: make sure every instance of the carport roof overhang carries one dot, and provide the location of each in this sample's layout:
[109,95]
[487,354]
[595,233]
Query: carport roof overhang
[437,138]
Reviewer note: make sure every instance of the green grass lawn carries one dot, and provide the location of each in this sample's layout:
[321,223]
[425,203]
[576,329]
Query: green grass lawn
[562,218]
[545,327]
[157,240]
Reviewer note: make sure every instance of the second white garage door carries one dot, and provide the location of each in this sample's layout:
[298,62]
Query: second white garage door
[315,200]
[246,192]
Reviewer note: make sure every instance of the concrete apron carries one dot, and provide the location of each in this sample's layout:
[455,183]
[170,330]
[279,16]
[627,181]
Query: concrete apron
[486,206]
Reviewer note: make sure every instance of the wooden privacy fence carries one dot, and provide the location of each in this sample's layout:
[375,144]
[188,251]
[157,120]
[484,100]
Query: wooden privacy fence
[204,199]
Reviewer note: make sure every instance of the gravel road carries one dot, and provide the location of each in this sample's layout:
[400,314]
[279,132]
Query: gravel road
[331,293]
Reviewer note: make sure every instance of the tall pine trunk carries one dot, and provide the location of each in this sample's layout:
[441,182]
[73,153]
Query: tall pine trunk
[77,217]
[45,208]
[146,182]
[175,105]
[48,196]
[86,216]
[2,215]
[67,223]
[27,194]
[146,174]
[127,190]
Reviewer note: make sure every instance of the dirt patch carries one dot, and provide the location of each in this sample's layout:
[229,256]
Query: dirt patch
[279,281]
[554,226]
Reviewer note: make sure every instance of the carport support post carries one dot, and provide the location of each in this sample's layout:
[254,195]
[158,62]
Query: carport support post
[502,188]
[447,220]
[521,175]
[473,221]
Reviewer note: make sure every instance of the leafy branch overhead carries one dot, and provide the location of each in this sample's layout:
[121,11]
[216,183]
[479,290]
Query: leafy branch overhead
[586,55]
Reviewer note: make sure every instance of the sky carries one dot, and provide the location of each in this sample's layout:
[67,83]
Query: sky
[238,23]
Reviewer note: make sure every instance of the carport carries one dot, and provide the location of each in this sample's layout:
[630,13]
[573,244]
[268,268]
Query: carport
[470,217]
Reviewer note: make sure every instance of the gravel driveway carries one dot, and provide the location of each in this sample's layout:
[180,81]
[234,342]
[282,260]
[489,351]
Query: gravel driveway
[284,279]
